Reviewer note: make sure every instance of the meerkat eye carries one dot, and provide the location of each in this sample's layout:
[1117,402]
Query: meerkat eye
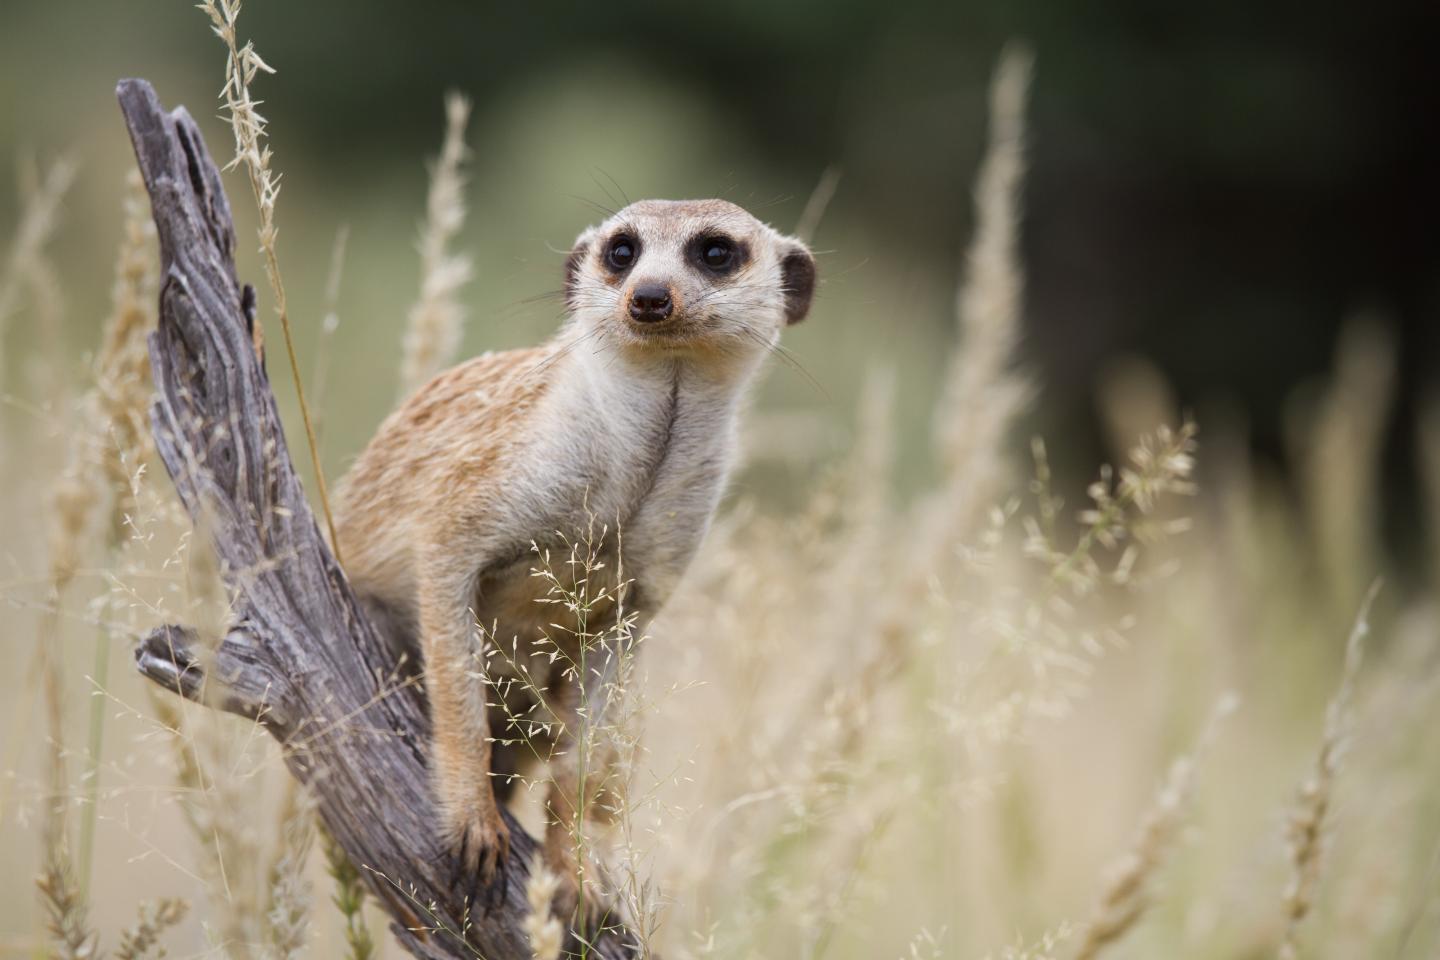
[716,253]
[621,254]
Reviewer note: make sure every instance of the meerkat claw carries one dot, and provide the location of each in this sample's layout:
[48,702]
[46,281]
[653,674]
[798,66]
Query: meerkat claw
[481,858]
[495,891]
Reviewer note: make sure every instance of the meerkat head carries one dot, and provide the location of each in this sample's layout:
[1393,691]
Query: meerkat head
[687,274]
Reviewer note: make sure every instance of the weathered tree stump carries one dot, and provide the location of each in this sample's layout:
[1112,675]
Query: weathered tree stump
[300,656]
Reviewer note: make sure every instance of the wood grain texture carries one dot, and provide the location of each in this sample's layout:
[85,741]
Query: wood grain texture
[301,657]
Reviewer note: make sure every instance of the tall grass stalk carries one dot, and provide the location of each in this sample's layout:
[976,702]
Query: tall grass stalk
[818,203]
[436,322]
[142,941]
[1126,893]
[115,411]
[70,519]
[288,919]
[39,216]
[349,899]
[67,908]
[23,268]
[242,65]
[219,786]
[61,892]
[1306,821]
[1340,456]
[983,395]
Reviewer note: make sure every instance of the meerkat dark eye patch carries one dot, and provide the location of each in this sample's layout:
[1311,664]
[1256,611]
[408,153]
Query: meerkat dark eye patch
[797,271]
[717,253]
[621,252]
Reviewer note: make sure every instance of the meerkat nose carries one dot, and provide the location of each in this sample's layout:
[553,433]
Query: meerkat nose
[650,303]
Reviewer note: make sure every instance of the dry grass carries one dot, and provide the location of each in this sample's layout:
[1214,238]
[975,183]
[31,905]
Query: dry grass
[818,203]
[143,939]
[70,935]
[872,725]
[1306,824]
[288,920]
[544,930]
[437,320]
[1339,443]
[1125,894]
[27,272]
[242,66]
[349,899]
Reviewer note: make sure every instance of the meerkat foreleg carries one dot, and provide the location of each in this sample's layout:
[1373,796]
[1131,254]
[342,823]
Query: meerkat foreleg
[460,758]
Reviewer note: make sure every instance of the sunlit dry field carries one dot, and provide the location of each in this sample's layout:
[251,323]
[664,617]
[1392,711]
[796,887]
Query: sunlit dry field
[906,705]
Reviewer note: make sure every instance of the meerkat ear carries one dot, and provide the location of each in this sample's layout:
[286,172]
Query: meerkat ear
[572,265]
[797,272]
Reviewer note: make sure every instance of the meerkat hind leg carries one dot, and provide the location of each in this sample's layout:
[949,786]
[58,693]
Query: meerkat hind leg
[580,772]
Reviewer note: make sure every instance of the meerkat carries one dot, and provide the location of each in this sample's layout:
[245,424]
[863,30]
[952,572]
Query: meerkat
[628,414]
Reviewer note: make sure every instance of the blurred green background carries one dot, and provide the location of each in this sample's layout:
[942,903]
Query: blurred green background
[1216,187]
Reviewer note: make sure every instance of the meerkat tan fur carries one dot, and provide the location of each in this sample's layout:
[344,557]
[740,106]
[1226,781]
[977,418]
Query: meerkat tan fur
[629,415]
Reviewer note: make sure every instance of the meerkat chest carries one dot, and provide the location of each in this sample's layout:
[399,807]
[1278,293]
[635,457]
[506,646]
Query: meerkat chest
[616,490]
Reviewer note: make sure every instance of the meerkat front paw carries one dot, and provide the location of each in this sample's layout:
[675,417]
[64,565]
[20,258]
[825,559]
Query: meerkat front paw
[481,844]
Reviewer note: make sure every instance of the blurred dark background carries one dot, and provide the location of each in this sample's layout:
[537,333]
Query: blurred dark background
[1217,188]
